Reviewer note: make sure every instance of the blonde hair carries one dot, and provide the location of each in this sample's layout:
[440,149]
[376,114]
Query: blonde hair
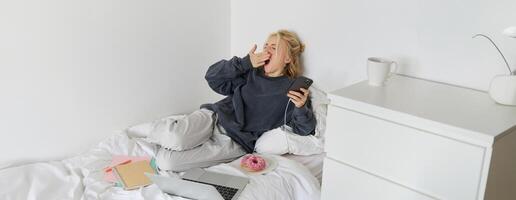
[294,48]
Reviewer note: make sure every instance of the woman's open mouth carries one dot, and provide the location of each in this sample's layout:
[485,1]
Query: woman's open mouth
[267,62]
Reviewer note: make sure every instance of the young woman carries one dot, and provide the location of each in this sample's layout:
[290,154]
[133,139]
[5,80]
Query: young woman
[256,89]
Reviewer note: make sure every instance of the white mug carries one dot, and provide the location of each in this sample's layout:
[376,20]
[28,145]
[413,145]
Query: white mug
[379,69]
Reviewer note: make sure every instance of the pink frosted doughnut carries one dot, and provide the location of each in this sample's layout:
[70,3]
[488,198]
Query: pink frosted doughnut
[253,163]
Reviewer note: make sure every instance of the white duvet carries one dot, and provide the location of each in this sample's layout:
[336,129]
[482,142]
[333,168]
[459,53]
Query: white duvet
[81,177]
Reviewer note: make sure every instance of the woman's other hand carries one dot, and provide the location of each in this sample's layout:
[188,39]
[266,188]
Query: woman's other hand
[258,59]
[298,98]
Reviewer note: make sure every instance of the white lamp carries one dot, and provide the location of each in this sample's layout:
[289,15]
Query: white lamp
[511,31]
[503,87]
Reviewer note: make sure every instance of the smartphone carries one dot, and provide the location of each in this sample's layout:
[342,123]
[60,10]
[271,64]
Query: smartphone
[300,82]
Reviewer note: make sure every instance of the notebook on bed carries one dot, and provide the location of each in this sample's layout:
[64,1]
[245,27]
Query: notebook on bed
[110,176]
[132,175]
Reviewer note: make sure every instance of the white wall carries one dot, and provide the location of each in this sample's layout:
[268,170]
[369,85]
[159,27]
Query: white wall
[430,38]
[72,72]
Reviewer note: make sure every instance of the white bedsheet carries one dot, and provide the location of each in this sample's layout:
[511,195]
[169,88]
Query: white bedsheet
[314,163]
[80,177]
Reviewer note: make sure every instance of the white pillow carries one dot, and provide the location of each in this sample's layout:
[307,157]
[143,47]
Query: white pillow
[320,103]
[279,141]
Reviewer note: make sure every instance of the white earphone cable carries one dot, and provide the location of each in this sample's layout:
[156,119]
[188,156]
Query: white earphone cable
[284,127]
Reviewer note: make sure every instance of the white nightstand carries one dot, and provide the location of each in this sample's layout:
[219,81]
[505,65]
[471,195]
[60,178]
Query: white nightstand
[417,139]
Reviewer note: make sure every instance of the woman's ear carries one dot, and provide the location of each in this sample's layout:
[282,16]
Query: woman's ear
[287,59]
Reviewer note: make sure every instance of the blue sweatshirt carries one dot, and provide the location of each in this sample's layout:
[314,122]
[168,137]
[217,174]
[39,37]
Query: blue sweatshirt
[254,103]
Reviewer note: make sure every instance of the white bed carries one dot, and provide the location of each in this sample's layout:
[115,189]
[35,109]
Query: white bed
[81,177]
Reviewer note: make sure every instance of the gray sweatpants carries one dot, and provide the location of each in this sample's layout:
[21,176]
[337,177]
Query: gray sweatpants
[193,141]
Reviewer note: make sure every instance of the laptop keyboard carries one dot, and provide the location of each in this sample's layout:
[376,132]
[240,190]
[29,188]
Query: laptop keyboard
[226,192]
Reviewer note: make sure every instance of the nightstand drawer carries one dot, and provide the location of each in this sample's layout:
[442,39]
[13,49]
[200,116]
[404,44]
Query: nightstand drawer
[344,182]
[428,163]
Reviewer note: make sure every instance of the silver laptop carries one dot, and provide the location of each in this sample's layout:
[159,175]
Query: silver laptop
[201,184]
